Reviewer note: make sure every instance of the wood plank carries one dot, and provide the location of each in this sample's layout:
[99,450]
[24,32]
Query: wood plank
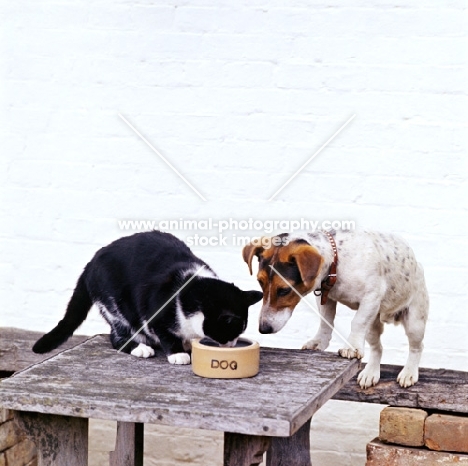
[15,348]
[437,389]
[285,451]
[443,389]
[60,440]
[244,450]
[93,380]
[128,445]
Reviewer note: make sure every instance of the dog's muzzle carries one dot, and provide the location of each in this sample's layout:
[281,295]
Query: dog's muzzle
[272,321]
[265,328]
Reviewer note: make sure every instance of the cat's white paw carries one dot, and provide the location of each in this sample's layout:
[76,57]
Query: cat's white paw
[179,358]
[143,351]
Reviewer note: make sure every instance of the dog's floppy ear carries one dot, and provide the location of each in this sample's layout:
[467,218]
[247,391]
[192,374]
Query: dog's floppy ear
[252,249]
[308,261]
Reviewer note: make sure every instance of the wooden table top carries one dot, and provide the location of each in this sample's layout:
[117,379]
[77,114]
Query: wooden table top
[93,380]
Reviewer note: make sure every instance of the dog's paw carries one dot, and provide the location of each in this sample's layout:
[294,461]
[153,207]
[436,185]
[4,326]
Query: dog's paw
[407,377]
[369,377]
[351,353]
[143,351]
[179,358]
[315,345]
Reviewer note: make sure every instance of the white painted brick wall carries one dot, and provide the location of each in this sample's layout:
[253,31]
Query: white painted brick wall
[237,96]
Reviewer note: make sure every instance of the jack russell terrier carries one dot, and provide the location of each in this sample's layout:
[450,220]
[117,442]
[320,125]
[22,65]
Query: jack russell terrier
[373,273]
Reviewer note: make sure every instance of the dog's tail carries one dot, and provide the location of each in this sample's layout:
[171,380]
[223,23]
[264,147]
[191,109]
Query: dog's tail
[77,311]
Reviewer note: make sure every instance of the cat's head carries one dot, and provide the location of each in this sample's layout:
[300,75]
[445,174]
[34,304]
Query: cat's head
[224,306]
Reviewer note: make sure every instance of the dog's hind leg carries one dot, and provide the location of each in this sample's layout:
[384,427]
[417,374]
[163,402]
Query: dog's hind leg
[414,322]
[370,375]
[323,336]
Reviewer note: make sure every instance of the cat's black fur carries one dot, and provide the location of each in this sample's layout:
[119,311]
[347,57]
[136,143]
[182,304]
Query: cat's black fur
[133,277]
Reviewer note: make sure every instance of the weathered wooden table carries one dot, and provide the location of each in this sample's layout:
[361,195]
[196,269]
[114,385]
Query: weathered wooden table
[271,412]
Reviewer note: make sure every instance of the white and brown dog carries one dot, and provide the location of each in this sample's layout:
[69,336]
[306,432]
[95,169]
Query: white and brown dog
[377,275]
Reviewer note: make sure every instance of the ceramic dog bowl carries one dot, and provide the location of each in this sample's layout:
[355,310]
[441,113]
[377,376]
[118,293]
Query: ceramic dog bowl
[215,362]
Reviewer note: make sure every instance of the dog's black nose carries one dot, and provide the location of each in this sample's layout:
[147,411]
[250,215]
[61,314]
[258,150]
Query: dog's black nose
[265,328]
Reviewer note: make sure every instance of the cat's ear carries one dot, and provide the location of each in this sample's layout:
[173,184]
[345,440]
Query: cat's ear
[252,297]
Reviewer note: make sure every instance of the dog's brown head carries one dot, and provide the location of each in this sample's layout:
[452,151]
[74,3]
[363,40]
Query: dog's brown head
[297,261]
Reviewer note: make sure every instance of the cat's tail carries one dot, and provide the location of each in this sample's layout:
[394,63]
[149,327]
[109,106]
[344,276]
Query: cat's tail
[77,311]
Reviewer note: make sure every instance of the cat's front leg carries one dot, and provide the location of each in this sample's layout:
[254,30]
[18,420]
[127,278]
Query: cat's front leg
[121,341]
[142,351]
[174,349]
[179,358]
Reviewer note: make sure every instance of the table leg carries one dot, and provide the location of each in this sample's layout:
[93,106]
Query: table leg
[288,451]
[244,450]
[60,440]
[128,445]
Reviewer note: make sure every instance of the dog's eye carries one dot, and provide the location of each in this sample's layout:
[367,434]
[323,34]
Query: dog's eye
[283,291]
[260,282]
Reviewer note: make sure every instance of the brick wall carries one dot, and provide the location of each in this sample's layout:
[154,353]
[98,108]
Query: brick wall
[237,96]
[15,449]
[410,437]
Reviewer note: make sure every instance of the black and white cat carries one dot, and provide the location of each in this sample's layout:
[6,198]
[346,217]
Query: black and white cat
[133,278]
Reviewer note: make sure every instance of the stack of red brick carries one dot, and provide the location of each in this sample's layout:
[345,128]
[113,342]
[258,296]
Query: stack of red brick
[15,449]
[413,437]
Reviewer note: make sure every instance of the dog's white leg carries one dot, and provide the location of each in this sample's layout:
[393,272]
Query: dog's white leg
[323,336]
[370,375]
[414,323]
[360,325]
[409,375]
